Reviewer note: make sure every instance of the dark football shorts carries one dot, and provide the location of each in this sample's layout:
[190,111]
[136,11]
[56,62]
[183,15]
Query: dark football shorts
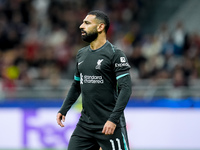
[84,139]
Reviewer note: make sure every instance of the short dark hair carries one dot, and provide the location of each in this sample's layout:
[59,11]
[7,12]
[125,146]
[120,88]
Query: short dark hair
[101,16]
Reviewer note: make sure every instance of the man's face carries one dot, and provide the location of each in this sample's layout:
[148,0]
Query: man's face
[89,28]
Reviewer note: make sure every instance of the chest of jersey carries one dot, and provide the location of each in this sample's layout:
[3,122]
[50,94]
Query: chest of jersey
[95,63]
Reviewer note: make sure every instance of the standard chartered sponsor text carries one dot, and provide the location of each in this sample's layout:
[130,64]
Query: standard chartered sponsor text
[93,79]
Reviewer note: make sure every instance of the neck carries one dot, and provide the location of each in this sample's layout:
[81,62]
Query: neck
[98,42]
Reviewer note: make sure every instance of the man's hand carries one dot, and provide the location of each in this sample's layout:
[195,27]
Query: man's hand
[60,118]
[109,128]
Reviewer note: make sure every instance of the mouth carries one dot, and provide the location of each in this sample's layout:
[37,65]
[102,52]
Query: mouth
[83,32]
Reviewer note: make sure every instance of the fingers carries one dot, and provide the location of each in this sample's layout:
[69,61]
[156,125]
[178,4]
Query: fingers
[109,128]
[108,131]
[59,118]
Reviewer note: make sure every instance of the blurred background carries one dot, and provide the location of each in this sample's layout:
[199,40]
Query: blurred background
[39,40]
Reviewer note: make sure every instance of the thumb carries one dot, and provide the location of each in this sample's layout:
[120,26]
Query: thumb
[63,118]
[104,129]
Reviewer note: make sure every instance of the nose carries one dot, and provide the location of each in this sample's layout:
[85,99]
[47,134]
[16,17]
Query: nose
[81,26]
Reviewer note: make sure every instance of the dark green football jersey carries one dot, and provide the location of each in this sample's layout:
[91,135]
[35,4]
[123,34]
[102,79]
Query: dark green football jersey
[98,72]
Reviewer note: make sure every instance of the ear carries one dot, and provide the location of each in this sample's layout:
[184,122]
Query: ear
[100,27]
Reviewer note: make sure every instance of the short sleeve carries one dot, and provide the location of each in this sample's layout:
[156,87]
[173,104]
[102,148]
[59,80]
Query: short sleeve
[120,63]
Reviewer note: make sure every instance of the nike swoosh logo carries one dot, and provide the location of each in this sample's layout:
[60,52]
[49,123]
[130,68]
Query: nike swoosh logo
[80,62]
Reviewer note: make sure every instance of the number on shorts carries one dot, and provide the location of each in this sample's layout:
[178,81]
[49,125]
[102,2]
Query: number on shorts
[118,143]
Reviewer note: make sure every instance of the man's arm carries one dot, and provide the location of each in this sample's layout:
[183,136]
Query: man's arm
[125,90]
[71,98]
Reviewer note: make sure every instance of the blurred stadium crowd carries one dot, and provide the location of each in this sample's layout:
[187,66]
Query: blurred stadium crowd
[39,39]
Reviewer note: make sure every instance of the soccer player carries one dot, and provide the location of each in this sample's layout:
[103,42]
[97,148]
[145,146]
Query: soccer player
[102,77]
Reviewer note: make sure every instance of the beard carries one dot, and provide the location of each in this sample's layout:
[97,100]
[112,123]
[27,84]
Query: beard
[89,37]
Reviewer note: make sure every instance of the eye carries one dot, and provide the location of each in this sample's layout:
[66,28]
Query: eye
[86,22]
